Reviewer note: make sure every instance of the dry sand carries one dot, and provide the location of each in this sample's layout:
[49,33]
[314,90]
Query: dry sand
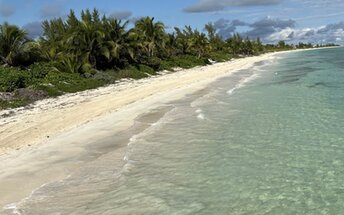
[45,141]
[35,124]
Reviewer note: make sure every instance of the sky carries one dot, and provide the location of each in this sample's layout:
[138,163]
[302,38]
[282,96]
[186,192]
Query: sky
[316,21]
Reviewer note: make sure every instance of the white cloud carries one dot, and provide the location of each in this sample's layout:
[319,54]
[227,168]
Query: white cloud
[329,33]
[339,33]
[289,34]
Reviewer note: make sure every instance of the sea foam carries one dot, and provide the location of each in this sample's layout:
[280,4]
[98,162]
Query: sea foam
[242,83]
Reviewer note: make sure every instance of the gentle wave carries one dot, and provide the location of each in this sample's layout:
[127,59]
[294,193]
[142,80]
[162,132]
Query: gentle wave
[243,83]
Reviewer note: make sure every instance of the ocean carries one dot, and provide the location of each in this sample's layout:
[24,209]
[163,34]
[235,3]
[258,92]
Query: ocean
[266,140]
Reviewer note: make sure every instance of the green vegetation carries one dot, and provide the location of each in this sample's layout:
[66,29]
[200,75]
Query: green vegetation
[87,52]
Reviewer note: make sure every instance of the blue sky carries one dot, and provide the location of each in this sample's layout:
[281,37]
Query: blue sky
[272,20]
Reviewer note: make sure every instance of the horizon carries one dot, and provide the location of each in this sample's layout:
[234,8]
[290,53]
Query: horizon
[319,21]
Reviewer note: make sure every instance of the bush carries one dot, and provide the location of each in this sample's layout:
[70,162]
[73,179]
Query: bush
[134,72]
[13,103]
[12,79]
[56,82]
[40,70]
[219,56]
[131,72]
[146,69]
[185,61]
[51,90]
[152,62]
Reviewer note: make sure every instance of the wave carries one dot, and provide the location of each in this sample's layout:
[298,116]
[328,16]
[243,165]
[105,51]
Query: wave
[243,83]
[199,110]
[201,116]
[256,70]
[19,207]
[13,208]
[153,127]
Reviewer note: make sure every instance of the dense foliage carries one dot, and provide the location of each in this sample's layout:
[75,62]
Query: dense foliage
[82,53]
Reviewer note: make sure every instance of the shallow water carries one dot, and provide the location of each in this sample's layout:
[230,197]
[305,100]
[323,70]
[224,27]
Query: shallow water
[267,140]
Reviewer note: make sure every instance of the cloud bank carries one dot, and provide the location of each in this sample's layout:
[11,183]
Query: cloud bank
[272,30]
[217,5]
[121,14]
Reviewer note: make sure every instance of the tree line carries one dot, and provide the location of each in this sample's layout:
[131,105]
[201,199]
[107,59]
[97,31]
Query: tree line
[104,49]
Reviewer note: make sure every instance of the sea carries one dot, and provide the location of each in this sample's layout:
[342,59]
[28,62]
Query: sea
[265,140]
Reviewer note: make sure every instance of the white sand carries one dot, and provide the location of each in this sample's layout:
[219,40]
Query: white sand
[33,125]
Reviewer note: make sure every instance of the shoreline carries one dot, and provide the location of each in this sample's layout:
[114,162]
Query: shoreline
[83,118]
[27,126]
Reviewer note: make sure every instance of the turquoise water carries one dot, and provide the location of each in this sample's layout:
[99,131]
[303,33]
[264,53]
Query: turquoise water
[268,140]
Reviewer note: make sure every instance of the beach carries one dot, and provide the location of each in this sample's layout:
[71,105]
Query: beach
[29,126]
[51,139]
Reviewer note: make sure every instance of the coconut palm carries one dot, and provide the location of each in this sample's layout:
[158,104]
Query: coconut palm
[116,40]
[53,43]
[12,43]
[73,64]
[152,35]
[200,43]
[184,40]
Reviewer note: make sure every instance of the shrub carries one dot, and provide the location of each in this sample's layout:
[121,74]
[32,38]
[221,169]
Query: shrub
[184,61]
[146,69]
[69,82]
[13,103]
[12,79]
[40,70]
[219,56]
[131,72]
[152,62]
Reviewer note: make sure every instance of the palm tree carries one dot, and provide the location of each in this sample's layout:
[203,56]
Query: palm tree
[191,41]
[216,41]
[152,34]
[12,43]
[52,43]
[200,43]
[258,46]
[116,40]
[72,63]
[235,44]
[211,30]
[171,45]
[87,40]
[182,41]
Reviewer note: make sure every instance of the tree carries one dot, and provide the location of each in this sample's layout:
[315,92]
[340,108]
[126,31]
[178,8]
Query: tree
[12,44]
[215,40]
[281,44]
[200,43]
[152,34]
[92,40]
[211,30]
[258,46]
[235,44]
[190,41]
[183,40]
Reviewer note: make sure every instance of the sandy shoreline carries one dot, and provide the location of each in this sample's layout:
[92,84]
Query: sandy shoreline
[48,139]
[25,127]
